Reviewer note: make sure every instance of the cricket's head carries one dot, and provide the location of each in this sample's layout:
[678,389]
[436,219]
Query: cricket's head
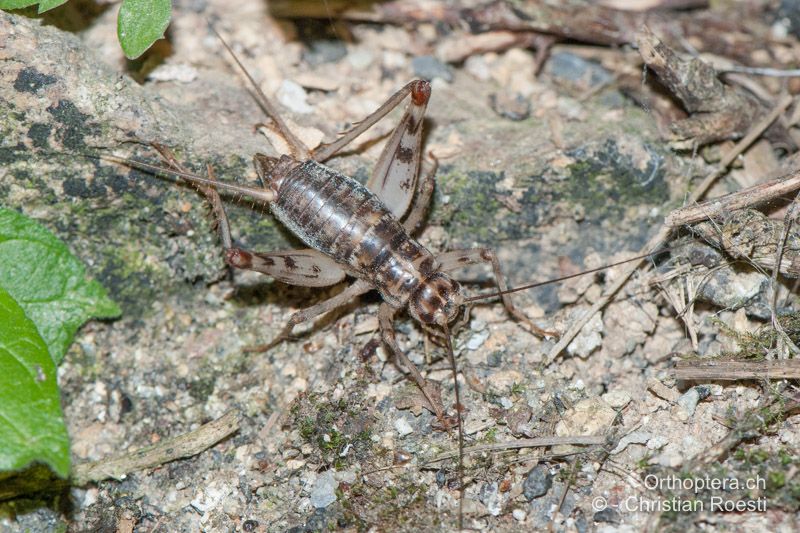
[437,300]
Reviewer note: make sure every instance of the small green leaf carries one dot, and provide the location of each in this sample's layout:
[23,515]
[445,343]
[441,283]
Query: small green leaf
[17,4]
[47,5]
[31,423]
[140,23]
[48,282]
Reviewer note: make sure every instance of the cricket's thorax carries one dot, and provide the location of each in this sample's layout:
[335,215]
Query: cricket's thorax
[343,219]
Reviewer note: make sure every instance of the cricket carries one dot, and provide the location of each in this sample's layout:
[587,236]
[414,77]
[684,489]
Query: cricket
[361,231]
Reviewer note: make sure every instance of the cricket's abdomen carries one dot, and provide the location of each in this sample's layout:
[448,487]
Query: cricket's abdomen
[343,219]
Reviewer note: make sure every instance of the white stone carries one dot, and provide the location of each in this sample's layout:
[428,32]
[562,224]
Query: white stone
[292,95]
[403,427]
[617,398]
[323,493]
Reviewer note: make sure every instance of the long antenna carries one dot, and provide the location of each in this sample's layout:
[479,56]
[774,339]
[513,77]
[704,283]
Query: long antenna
[563,278]
[452,358]
[300,150]
[261,195]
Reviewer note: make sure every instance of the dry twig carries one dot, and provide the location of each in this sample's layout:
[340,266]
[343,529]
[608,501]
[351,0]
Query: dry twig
[735,370]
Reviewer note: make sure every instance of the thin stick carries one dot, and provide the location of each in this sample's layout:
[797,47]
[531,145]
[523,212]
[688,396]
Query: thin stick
[661,236]
[757,194]
[185,445]
[540,442]
[736,370]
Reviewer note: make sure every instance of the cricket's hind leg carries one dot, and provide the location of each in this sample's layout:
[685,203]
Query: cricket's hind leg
[307,268]
[471,256]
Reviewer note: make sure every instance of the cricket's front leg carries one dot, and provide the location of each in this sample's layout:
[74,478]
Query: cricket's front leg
[432,394]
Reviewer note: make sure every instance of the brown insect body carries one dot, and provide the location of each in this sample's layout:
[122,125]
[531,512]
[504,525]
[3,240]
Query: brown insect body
[338,216]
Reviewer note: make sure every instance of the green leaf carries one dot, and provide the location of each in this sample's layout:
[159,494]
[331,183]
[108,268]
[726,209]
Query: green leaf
[48,282]
[140,23]
[31,423]
[47,5]
[44,5]
[17,4]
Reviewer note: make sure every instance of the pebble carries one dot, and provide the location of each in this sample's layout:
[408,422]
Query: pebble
[403,427]
[687,403]
[636,437]
[502,382]
[323,493]
[617,398]
[477,324]
[477,67]
[589,339]
[181,73]
[324,51]
[730,289]
[577,70]
[657,442]
[511,106]
[477,340]
[490,497]
[537,483]
[360,59]
[609,515]
[346,476]
[494,359]
[591,416]
[292,95]
[519,515]
[428,67]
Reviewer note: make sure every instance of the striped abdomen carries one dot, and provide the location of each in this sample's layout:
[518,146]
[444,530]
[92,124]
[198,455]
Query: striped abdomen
[343,219]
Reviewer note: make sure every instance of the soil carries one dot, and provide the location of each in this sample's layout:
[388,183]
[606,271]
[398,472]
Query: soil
[558,172]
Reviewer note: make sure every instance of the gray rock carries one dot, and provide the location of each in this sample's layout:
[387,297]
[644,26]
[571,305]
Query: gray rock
[513,107]
[428,67]
[609,515]
[581,524]
[490,497]
[732,289]
[572,68]
[322,51]
[689,400]
[537,483]
[323,493]
[542,510]
[494,359]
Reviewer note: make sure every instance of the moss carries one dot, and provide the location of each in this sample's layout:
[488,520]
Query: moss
[606,181]
[472,202]
[333,427]
[490,436]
